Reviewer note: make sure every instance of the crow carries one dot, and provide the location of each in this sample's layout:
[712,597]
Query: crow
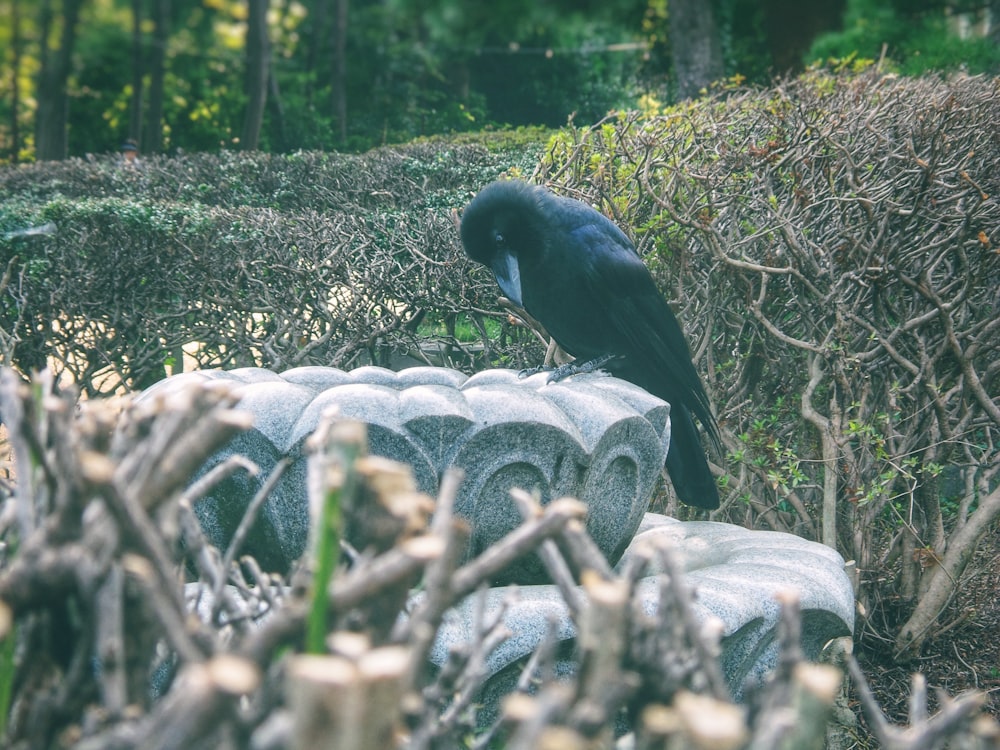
[574,271]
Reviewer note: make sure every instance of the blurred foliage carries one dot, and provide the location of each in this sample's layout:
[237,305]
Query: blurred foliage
[915,36]
[420,68]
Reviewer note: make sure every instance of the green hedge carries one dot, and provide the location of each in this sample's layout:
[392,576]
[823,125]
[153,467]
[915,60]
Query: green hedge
[831,245]
[242,259]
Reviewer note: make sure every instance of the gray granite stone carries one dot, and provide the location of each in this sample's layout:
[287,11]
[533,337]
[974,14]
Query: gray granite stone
[593,437]
[735,575]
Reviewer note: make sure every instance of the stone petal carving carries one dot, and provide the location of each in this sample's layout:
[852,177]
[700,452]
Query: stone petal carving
[735,574]
[592,436]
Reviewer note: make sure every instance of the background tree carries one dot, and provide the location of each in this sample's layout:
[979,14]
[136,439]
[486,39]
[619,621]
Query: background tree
[917,35]
[13,114]
[53,78]
[258,65]
[339,79]
[138,68]
[153,140]
[353,75]
[697,48]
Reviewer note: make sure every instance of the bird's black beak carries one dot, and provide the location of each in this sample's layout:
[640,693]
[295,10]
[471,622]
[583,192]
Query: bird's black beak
[508,276]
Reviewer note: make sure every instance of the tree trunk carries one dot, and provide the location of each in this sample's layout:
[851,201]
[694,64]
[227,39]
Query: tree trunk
[153,143]
[314,54]
[697,49]
[340,68]
[277,112]
[961,547]
[15,72]
[257,55]
[44,64]
[135,101]
[275,104]
[831,454]
[53,98]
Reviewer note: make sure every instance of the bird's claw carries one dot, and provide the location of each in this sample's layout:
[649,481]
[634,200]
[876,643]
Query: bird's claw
[573,368]
[529,371]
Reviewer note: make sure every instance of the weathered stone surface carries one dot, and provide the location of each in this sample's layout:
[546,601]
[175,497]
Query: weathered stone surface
[735,574]
[593,437]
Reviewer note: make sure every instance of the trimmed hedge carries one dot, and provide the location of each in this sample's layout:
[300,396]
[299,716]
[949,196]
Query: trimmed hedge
[791,227]
[242,259]
[832,246]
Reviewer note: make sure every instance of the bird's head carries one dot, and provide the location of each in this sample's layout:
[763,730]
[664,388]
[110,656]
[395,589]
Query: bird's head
[502,228]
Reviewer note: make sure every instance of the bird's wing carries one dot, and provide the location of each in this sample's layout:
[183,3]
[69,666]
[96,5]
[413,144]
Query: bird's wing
[626,297]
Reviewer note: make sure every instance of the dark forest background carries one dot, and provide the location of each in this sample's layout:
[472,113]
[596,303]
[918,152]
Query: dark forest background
[82,76]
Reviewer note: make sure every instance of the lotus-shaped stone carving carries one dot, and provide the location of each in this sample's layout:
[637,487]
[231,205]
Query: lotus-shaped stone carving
[593,437]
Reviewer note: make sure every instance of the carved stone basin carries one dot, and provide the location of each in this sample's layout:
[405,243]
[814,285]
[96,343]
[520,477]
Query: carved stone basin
[593,437]
[736,574]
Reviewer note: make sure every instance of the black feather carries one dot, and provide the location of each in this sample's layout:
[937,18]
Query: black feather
[578,274]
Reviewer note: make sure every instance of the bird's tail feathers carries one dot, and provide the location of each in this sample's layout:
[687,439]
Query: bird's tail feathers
[686,463]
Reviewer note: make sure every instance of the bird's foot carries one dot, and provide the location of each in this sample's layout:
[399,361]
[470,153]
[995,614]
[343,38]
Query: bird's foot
[573,368]
[529,371]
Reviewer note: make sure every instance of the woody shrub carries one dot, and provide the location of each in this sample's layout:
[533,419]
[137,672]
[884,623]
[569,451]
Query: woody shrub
[831,246]
[253,259]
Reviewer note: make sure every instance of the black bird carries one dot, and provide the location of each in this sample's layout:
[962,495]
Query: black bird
[575,271]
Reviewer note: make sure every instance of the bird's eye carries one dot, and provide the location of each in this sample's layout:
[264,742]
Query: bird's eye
[498,238]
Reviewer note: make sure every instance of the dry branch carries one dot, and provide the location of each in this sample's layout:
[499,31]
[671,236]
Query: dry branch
[234,685]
